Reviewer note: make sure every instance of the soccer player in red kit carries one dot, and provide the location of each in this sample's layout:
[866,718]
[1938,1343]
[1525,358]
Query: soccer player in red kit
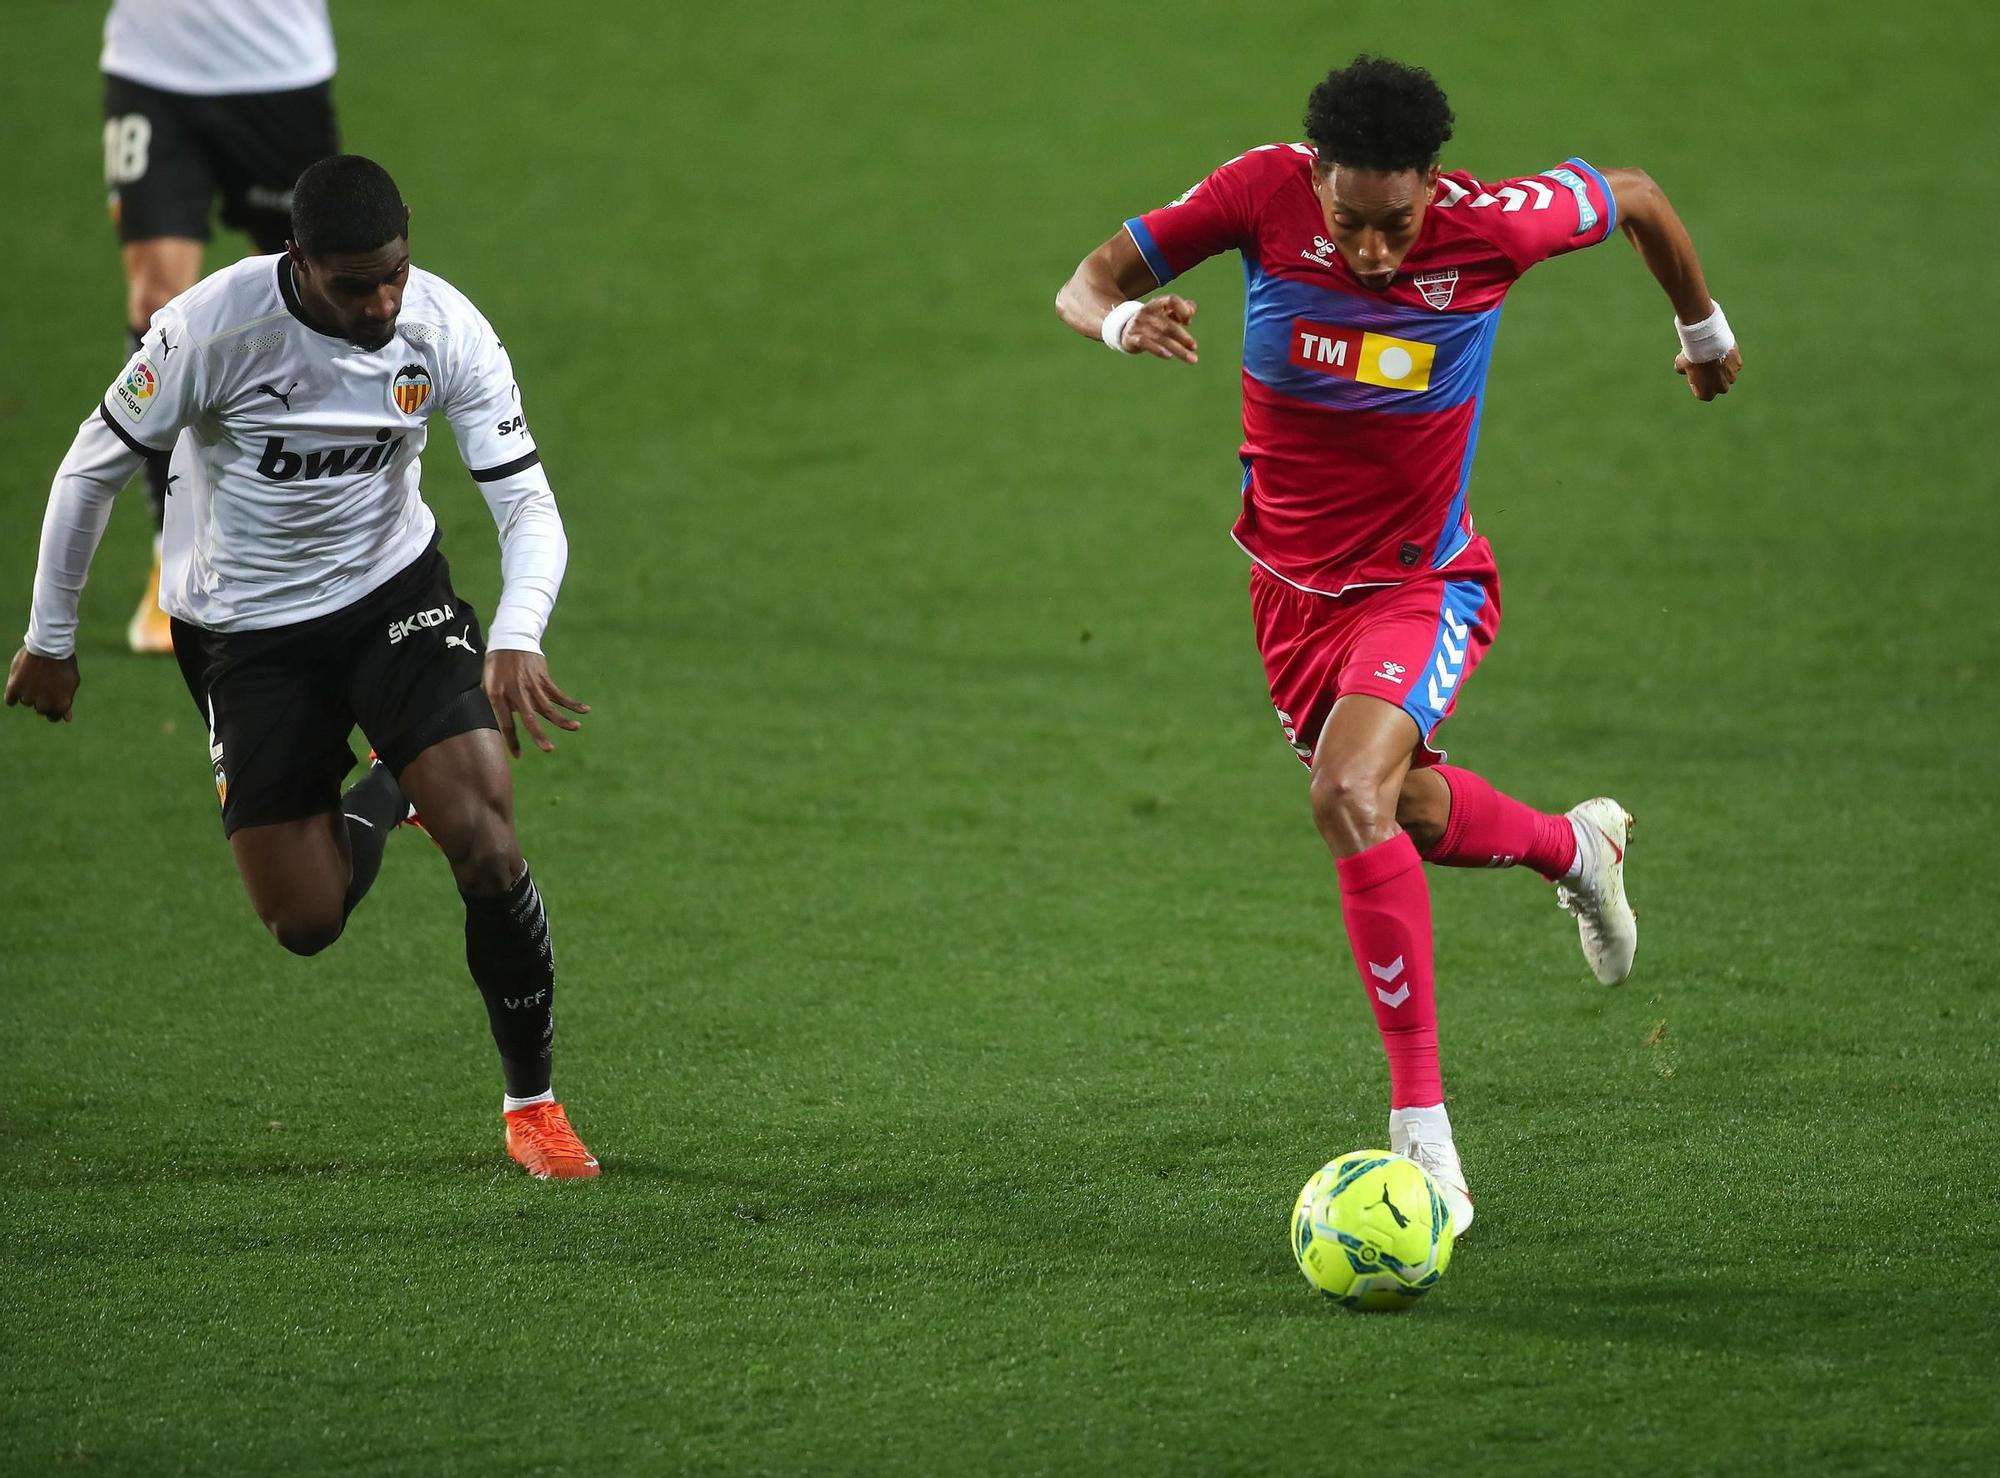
[1373,284]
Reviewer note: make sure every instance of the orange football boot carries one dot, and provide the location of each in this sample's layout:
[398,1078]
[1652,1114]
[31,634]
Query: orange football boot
[149,631]
[540,1138]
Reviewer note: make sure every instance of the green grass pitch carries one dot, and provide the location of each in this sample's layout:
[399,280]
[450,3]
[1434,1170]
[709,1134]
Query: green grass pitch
[952,980]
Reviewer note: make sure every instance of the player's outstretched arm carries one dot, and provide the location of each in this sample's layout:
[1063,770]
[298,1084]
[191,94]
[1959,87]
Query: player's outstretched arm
[101,460]
[1709,357]
[1101,301]
[484,406]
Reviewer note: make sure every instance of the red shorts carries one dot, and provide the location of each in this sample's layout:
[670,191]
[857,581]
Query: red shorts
[1413,645]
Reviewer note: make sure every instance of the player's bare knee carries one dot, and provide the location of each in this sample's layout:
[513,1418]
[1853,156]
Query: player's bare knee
[151,284]
[1347,801]
[485,858]
[305,933]
[488,871]
[148,296]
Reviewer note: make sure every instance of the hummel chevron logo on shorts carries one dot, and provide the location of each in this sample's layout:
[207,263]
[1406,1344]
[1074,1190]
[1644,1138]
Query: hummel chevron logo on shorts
[1450,659]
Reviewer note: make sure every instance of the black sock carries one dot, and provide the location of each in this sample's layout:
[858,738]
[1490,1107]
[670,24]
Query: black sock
[374,806]
[156,467]
[513,964]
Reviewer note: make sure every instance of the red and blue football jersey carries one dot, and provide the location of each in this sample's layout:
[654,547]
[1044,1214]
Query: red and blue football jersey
[1361,408]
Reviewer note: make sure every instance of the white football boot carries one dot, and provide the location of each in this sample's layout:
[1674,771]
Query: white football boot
[1424,1135]
[1605,921]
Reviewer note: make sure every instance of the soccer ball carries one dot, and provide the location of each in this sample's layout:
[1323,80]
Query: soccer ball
[1370,1231]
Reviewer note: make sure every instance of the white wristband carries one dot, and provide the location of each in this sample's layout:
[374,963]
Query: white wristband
[1708,340]
[1115,322]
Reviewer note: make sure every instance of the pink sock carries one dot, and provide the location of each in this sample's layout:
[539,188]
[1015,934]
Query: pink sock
[1387,907]
[1488,829]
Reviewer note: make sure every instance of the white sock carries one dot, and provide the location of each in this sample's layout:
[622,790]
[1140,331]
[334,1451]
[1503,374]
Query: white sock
[1431,1123]
[1582,841]
[508,1102]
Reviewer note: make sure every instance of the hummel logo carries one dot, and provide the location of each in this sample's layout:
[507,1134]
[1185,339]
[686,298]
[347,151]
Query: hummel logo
[1393,671]
[284,396]
[1385,973]
[462,640]
[1321,254]
[1450,658]
[1401,1220]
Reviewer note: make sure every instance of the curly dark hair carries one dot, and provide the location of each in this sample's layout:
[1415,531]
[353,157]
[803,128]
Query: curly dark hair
[1375,113]
[347,204]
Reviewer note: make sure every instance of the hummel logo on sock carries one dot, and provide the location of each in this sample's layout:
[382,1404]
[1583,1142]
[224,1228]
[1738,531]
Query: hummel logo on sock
[1390,998]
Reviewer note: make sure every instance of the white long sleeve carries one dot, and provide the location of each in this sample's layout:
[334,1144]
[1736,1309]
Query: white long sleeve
[534,552]
[98,464]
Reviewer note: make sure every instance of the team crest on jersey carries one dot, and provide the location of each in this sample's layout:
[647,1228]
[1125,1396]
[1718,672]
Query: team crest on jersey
[411,389]
[137,389]
[1437,287]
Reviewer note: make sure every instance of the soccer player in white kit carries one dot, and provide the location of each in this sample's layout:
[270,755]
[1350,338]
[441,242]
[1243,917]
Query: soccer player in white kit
[308,594]
[205,99]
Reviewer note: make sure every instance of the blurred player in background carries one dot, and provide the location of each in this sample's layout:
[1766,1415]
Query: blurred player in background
[1374,284]
[309,595]
[205,98]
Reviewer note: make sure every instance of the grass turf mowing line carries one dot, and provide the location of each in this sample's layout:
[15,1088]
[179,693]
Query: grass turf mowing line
[952,982]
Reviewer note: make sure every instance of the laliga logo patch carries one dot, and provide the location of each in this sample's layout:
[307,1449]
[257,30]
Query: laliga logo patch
[411,388]
[137,389]
[1437,287]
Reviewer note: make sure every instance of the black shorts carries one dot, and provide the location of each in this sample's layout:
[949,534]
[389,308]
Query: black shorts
[168,154]
[403,662]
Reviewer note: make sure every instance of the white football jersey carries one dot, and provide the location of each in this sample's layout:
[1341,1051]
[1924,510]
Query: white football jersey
[211,47]
[295,455]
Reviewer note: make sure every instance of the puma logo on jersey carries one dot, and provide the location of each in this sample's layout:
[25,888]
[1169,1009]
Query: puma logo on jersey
[464,640]
[283,396]
[280,465]
[424,621]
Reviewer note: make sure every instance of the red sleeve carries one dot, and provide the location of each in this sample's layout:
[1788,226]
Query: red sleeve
[1539,216]
[1215,216]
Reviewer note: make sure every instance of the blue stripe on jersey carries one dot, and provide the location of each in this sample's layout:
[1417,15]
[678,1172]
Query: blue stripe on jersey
[1464,343]
[1433,690]
[1150,250]
[1610,200]
[1452,536]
